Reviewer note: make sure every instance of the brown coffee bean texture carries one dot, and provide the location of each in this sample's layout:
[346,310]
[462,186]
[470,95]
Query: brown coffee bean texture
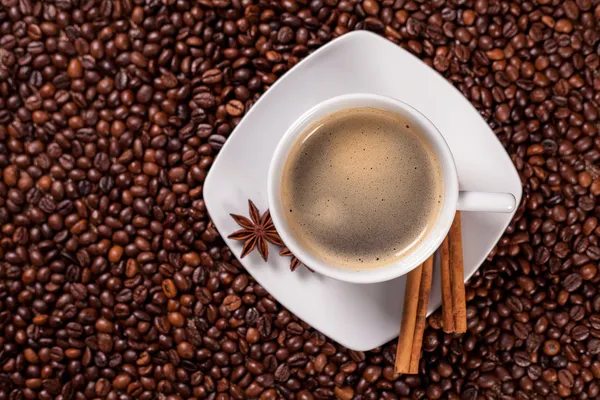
[115,284]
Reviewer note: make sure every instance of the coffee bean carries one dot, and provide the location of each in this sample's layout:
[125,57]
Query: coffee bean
[205,100]
[212,76]
[169,288]
[232,302]
[235,108]
[520,330]
[216,141]
[572,282]
[580,333]
[522,359]
[593,346]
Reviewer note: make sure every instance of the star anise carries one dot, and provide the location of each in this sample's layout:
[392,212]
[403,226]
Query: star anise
[294,262]
[256,232]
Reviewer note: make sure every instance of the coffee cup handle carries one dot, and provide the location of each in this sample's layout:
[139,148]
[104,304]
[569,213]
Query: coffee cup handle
[486,201]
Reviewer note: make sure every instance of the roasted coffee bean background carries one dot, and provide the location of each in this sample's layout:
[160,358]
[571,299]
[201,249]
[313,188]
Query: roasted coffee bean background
[115,284]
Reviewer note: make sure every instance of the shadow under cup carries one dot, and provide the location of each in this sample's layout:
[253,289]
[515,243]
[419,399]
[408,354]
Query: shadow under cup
[437,229]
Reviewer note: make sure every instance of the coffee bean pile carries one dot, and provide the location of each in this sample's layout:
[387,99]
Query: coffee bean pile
[114,283]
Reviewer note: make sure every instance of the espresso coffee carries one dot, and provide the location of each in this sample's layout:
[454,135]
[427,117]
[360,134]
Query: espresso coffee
[361,188]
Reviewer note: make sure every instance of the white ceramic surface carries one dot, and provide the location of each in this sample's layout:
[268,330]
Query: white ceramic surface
[360,317]
[440,227]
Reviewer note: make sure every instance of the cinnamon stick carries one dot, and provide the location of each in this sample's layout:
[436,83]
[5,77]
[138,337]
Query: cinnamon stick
[424,292]
[458,276]
[447,306]
[416,300]
[409,319]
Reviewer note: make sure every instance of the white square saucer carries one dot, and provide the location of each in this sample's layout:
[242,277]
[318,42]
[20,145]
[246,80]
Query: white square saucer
[359,317]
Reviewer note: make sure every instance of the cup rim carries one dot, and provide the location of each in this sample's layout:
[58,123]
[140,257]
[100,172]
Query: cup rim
[417,255]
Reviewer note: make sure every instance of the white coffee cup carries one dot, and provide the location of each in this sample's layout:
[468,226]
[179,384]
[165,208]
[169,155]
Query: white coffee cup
[453,199]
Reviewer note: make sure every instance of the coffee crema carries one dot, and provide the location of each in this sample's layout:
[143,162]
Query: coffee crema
[361,188]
